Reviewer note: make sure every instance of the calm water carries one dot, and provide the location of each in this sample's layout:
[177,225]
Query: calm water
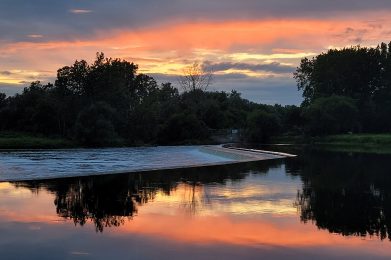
[323,205]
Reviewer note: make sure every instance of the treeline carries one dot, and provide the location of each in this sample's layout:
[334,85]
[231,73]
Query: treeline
[347,90]
[109,103]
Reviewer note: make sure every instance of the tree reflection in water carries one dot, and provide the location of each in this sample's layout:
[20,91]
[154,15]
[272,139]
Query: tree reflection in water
[348,194]
[109,201]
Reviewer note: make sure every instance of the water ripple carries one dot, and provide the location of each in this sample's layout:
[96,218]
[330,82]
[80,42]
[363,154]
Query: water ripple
[42,164]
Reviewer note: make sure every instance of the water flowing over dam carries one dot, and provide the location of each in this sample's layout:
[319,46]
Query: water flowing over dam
[49,164]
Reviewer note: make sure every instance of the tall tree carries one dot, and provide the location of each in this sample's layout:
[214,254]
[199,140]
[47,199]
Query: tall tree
[195,77]
[3,97]
[359,73]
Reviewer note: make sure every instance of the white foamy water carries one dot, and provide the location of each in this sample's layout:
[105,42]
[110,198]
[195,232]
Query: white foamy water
[45,164]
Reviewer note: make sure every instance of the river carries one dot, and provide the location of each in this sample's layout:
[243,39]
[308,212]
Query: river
[324,205]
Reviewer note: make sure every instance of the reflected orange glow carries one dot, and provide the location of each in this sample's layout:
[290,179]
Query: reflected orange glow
[15,205]
[283,232]
[278,227]
[171,222]
[195,200]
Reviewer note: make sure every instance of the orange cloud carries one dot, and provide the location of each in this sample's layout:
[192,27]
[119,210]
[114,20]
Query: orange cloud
[167,48]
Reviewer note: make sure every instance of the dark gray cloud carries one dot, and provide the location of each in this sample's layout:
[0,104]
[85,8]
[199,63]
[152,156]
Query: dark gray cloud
[11,89]
[274,67]
[267,91]
[357,36]
[46,20]
[272,90]
[5,73]
[55,19]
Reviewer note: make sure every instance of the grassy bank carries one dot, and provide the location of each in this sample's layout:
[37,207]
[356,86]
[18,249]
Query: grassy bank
[13,140]
[10,140]
[371,143]
[368,143]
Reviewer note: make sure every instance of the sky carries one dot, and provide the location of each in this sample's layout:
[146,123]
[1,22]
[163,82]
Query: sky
[252,46]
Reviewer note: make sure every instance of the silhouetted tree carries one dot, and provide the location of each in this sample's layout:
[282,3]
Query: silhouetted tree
[261,125]
[331,115]
[107,102]
[195,77]
[94,125]
[3,96]
[359,73]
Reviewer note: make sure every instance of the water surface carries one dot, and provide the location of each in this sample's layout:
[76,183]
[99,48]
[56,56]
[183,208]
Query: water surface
[46,164]
[320,205]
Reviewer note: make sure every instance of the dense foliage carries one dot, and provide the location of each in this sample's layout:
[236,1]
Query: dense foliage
[109,103]
[331,115]
[360,76]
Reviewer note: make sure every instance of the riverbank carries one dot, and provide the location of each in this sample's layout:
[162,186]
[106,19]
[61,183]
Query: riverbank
[18,140]
[11,140]
[369,143]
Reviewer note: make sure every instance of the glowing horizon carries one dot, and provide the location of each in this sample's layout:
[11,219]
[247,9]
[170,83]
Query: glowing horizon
[263,34]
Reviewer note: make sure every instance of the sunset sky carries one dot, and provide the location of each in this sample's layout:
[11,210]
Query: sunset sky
[253,46]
